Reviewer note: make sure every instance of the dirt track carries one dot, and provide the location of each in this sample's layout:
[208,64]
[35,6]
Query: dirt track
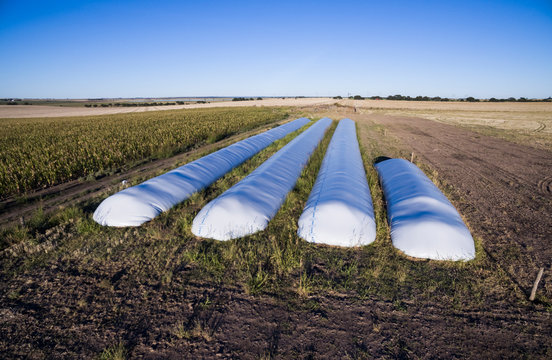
[503,189]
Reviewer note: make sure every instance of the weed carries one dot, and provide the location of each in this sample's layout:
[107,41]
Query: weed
[67,214]
[180,331]
[87,226]
[14,295]
[115,352]
[14,235]
[257,281]
[38,222]
[305,284]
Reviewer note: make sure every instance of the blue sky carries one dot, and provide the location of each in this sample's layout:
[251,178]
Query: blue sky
[87,49]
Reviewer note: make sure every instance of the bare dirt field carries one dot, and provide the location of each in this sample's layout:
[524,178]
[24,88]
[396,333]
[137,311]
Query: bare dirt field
[525,123]
[65,303]
[229,324]
[503,189]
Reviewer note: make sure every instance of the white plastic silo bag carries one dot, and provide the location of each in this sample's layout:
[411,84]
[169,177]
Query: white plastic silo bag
[424,224]
[143,202]
[339,210]
[248,206]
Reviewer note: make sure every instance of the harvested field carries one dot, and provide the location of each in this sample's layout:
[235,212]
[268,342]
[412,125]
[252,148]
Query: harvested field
[71,288]
[524,123]
[40,111]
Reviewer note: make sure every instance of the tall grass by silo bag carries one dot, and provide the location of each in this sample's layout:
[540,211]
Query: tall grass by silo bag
[339,210]
[143,202]
[424,224]
[248,206]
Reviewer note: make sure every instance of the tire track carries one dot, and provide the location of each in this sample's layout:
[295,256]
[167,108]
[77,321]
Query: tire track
[540,128]
[545,185]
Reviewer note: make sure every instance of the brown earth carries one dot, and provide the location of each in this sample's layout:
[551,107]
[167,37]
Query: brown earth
[220,322]
[501,188]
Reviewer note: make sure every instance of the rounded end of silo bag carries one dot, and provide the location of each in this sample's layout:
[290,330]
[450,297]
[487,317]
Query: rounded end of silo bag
[434,240]
[121,210]
[228,218]
[338,224]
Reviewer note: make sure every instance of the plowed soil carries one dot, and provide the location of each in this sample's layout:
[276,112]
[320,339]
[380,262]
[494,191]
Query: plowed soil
[505,190]
[236,326]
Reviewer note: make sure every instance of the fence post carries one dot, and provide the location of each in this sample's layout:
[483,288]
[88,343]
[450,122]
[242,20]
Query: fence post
[536,284]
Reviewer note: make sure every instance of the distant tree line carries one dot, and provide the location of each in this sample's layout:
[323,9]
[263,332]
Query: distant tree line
[438,98]
[131,104]
[245,99]
[521,99]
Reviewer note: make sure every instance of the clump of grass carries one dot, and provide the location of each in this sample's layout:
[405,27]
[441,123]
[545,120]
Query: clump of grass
[203,322]
[13,235]
[198,330]
[257,281]
[115,352]
[86,225]
[304,286]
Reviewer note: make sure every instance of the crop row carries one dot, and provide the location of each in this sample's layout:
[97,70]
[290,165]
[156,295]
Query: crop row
[38,153]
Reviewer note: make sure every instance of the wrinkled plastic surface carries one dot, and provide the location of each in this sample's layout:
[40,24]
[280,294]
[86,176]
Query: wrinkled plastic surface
[248,206]
[424,224]
[339,210]
[143,202]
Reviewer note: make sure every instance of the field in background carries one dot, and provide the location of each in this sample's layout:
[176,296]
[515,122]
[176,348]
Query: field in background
[107,101]
[525,123]
[521,122]
[75,289]
[25,111]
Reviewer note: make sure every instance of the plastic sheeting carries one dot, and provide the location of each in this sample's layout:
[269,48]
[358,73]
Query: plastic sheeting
[143,202]
[339,210]
[424,224]
[248,206]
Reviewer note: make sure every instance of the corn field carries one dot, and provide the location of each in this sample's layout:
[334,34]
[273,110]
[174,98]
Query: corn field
[37,153]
